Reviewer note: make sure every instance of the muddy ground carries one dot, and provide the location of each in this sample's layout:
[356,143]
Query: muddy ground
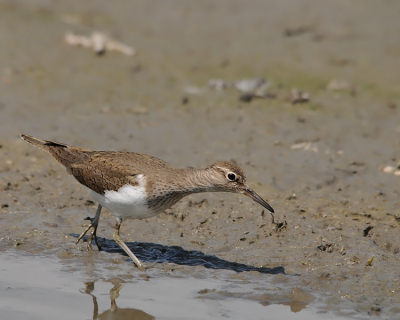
[320,163]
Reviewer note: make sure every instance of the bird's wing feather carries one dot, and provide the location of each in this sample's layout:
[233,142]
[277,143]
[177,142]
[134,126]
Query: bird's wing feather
[109,170]
[100,170]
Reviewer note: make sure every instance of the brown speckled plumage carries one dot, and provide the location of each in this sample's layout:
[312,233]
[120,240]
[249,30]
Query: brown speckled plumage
[99,170]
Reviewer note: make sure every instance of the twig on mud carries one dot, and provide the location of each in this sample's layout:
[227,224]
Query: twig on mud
[397,218]
[369,262]
[99,42]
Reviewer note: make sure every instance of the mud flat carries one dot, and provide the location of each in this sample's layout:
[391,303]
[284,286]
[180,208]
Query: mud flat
[320,143]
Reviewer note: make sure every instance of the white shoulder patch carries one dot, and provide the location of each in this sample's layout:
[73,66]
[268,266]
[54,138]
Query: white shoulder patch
[128,202]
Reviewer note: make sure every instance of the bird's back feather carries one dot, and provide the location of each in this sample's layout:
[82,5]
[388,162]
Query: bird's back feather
[100,171]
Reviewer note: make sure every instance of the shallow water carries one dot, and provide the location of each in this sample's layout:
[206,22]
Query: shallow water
[35,287]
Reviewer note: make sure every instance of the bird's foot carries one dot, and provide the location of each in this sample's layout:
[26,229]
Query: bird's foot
[93,225]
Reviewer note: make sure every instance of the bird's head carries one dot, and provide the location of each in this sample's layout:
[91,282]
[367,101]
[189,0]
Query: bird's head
[229,177]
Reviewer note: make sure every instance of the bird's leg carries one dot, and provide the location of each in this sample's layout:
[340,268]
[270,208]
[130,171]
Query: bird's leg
[94,222]
[122,244]
[114,294]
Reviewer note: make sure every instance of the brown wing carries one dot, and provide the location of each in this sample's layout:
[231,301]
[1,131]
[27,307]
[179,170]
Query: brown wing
[99,170]
[111,170]
[99,173]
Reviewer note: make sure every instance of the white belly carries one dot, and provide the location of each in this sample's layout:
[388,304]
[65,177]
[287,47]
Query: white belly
[128,202]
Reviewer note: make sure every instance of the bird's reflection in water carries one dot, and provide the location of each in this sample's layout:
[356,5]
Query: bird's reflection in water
[114,313]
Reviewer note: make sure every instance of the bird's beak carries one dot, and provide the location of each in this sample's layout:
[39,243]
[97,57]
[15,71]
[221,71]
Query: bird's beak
[253,195]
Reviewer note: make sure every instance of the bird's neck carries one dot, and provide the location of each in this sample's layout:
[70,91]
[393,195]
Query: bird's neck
[196,180]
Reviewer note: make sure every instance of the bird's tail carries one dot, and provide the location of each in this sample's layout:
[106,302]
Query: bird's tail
[42,144]
[62,152]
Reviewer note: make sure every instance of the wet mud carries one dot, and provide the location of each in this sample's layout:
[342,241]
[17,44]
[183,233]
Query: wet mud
[319,143]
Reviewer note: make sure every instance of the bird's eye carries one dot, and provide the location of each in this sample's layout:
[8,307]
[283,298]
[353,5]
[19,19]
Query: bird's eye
[231,176]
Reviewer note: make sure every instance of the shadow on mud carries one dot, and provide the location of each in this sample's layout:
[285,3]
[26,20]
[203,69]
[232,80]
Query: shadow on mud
[151,252]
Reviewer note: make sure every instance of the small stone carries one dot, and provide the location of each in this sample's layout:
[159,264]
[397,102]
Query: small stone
[89,203]
[247,97]
[367,231]
[375,310]
[297,96]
